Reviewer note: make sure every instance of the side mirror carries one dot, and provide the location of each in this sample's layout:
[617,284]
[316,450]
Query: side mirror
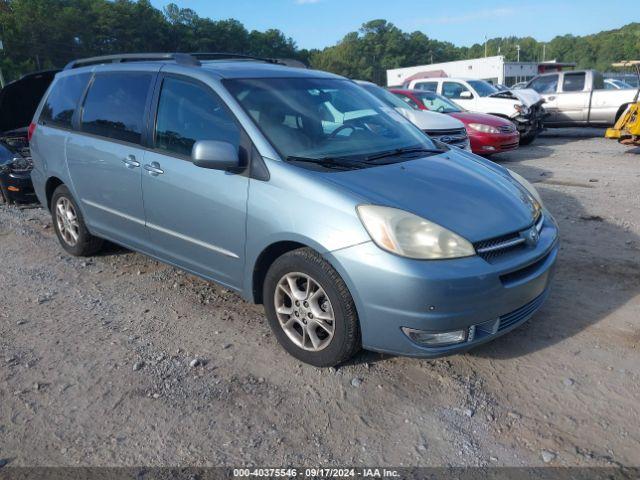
[215,155]
[466,95]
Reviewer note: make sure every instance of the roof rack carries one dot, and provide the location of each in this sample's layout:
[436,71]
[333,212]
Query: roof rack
[181,58]
[190,59]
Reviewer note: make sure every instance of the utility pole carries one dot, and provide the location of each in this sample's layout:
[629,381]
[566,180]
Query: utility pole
[518,50]
[485,46]
[544,52]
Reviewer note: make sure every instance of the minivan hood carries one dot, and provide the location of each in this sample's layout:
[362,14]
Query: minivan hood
[426,120]
[458,192]
[527,96]
[19,100]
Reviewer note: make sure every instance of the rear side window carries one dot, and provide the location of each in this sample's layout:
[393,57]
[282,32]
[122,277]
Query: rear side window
[188,112]
[428,86]
[115,105]
[63,100]
[573,82]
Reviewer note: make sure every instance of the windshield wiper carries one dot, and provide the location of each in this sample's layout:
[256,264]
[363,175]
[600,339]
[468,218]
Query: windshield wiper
[402,151]
[329,162]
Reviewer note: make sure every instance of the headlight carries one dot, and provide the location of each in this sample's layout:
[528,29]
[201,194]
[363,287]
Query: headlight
[408,235]
[527,185]
[19,164]
[521,109]
[481,127]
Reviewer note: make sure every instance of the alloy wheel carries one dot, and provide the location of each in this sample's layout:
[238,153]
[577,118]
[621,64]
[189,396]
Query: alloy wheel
[67,221]
[304,311]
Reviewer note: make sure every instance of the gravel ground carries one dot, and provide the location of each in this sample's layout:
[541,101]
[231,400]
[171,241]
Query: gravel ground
[121,360]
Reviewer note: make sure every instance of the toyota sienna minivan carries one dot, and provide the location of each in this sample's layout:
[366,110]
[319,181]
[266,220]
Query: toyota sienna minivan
[299,190]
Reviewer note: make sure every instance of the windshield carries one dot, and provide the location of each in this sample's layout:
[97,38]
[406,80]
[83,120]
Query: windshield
[620,84]
[483,88]
[437,103]
[319,118]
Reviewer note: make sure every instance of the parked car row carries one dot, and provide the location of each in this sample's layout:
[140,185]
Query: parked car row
[521,107]
[318,197]
[488,134]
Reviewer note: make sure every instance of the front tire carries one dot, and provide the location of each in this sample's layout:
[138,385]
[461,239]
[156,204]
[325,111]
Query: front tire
[310,309]
[528,139]
[5,198]
[69,225]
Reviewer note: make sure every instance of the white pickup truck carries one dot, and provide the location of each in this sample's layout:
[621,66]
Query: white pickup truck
[580,98]
[523,107]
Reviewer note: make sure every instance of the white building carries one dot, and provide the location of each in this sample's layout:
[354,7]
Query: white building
[494,69]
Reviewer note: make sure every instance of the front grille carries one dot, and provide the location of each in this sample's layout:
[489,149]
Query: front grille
[507,129]
[521,313]
[457,136]
[495,247]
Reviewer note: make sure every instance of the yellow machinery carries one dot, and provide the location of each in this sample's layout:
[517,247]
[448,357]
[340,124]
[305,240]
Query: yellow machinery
[627,128]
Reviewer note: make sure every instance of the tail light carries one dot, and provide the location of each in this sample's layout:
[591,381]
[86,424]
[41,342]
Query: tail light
[31,131]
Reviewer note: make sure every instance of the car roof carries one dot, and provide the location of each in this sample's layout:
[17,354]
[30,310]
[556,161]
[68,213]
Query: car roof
[220,66]
[564,71]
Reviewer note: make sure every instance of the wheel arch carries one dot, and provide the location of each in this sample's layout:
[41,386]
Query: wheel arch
[50,187]
[265,259]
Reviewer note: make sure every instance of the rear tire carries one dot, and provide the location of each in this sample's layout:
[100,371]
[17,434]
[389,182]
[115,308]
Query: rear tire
[310,309]
[69,225]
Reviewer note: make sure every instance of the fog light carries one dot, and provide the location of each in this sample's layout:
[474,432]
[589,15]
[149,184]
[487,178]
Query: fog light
[436,339]
[488,148]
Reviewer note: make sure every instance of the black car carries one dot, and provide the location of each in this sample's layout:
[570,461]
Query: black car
[18,102]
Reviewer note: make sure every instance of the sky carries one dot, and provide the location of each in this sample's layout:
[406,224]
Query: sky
[320,23]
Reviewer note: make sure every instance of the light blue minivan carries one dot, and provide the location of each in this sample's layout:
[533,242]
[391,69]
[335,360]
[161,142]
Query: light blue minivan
[299,190]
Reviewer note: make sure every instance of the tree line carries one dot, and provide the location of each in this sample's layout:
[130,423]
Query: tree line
[380,45]
[44,34]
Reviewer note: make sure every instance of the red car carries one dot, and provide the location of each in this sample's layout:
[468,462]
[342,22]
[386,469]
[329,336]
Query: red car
[488,134]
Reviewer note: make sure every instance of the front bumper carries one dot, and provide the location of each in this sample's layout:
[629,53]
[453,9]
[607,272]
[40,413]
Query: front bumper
[532,122]
[18,187]
[488,298]
[489,143]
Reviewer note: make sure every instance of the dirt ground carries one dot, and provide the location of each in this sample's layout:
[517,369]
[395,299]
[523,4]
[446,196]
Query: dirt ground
[95,355]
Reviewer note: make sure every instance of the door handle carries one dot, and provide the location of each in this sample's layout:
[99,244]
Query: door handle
[154,169]
[552,98]
[131,161]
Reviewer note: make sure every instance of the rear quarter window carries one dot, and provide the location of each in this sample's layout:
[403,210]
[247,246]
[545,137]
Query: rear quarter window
[115,105]
[63,99]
